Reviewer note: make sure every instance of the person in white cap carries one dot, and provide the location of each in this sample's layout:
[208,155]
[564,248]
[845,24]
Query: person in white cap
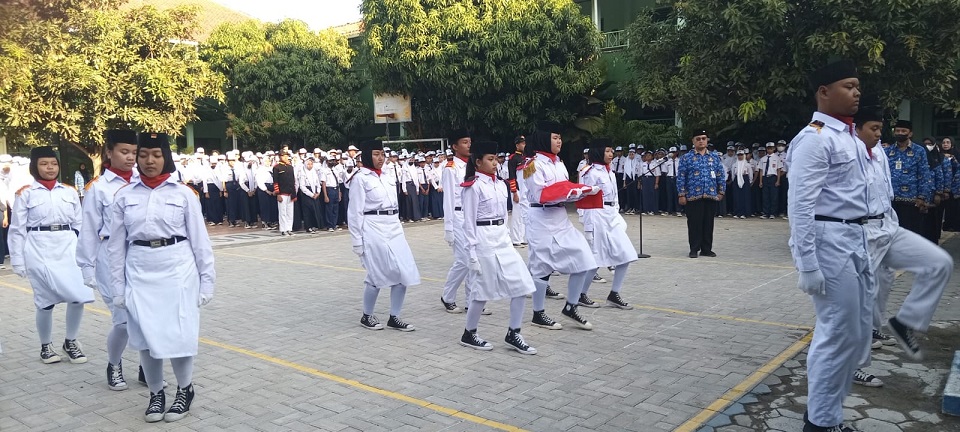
[518,218]
[436,190]
[669,169]
[583,163]
[265,195]
[310,194]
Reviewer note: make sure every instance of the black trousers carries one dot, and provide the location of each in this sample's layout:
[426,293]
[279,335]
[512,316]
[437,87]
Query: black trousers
[215,204]
[633,195]
[909,215]
[253,208]
[622,195]
[311,211]
[933,221]
[951,214]
[700,214]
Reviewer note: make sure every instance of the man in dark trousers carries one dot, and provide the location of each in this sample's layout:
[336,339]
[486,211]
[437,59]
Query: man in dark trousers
[700,185]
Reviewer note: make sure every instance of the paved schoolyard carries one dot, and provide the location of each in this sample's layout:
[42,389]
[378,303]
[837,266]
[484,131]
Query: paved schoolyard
[281,347]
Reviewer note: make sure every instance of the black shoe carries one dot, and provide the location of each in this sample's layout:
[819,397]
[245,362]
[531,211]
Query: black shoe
[586,302]
[483,312]
[693,255]
[515,340]
[883,338]
[613,299]
[471,340]
[158,402]
[570,311]
[708,254]
[370,322]
[397,324]
[115,377]
[72,349]
[540,319]
[551,294]
[181,404]
[142,379]
[598,279]
[451,307]
[906,338]
[810,427]
[48,355]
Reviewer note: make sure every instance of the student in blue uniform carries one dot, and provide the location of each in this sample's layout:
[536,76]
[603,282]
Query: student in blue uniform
[911,176]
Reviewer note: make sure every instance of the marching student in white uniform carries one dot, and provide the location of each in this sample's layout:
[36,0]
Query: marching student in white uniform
[499,270]
[377,238]
[518,219]
[604,228]
[92,257]
[452,177]
[158,220]
[43,246]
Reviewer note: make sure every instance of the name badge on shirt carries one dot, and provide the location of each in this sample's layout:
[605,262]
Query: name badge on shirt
[899,164]
[713,174]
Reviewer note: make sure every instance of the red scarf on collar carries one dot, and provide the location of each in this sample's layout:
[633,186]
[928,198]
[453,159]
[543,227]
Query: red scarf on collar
[847,120]
[553,157]
[492,176]
[375,171]
[49,184]
[153,182]
[125,175]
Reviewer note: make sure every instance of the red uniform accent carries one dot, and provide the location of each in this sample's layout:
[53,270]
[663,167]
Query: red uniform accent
[558,191]
[153,182]
[49,184]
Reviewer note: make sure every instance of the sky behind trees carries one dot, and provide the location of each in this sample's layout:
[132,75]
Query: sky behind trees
[318,14]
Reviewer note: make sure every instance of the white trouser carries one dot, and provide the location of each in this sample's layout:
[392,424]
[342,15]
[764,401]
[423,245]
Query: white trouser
[459,272]
[286,213]
[518,222]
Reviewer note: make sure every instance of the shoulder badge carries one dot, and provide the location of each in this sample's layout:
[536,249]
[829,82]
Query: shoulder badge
[20,191]
[817,124]
[90,183]
[529,168]
[586,169]
[450,164]
[121,188]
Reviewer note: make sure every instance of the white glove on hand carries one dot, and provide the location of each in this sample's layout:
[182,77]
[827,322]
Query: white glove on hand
[574,194]
[448,237]
[120,302]
[90,282]
[358,250]
[812,282]
[591,190]
[589,237]
[474,266]
[205,299]
[20,271]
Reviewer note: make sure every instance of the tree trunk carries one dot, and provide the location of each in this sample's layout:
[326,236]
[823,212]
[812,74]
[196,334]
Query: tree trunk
[93,152]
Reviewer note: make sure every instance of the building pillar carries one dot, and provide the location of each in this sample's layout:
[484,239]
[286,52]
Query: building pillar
[595,13]
[3,144]
[190,138]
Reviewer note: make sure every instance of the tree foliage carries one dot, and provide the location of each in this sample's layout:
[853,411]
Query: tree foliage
[741,65]
[495,66]
[624,132]
[70,69]
[286,83]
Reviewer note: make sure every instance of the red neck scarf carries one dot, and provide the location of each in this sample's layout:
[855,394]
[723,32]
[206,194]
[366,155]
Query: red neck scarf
[847,120]
[375,171]
[125,175]
[553,157]
[463,159]
[153,182]
[49,184]
[492,176]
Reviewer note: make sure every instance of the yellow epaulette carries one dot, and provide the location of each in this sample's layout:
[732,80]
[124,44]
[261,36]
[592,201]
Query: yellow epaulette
[191,189]
[585,169]
[529,169]
[19,191]
[121,188]
[450,164]
[90,183]
[817,124]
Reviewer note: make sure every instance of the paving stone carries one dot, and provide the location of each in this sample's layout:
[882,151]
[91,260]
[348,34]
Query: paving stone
[874,425]
[784,423]
[885,415]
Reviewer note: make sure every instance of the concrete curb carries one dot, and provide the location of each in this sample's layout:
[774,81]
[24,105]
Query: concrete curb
[951,393]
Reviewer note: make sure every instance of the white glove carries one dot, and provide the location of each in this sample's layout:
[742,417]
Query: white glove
[20,271]
[358,250]
[591,190]
[812,282]
[448,237]
[205,299]
[90,282]
[574,194]
[120,302]
[589,236]
[474,266]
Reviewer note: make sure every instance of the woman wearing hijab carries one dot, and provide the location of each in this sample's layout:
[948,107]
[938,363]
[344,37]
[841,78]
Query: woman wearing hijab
[742,174]
[159,220]
[121,155]
[378,239]
[942,182]
[604,228]
[951,205]
[43,245]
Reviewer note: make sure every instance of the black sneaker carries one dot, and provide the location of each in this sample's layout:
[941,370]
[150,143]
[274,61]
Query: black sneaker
[142,379]
[48,355]
[810,427]
[906,338]
[586,302]
[115,377]
[181,404]
[72,349]
[471,340]
[598,279]
[867,380]
[397,324]
[570,311]
[614,299]
[515,340]
[551,294]
[540,319]
[693,255]
[483,312]
[883,338]
[370,322]
[158,402]
[708,254]
[451,307]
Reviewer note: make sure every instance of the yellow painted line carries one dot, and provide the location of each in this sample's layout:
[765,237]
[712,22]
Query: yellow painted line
[745,386]
[728,263]
[329,376]
[307,263]
[723,317]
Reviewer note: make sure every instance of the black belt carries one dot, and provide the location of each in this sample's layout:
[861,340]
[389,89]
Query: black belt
[490,222]
[381,213]
[609,203]
[545,206]
[458,209]
[160,242]
[105,238]
[50,228]
[855,221]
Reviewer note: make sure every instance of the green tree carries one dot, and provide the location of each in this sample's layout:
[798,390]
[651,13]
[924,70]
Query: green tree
[494,66]
[71,69]
[286,83]
[624,132]
[741,65]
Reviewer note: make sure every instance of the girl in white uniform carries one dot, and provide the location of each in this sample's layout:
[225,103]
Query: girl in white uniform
[498,270]
[604,228]
[378,239]
[121,154]
[43,247]
[158,221]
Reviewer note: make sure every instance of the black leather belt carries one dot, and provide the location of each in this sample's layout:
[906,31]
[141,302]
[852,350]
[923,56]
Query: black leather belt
[609,203]
[160,242]
[490,222]
[458,209]
[50,228]
[105,238]
[381,213]
[538,205]
[855,221]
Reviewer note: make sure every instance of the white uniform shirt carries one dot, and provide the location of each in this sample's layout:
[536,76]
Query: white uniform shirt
[485,200]
[96,219]
[630,167]
[327,177]
[650,169]
[309,181]
[769,164]
[36,207]
[263,177]
[670,166]
[368,192]
[452,177]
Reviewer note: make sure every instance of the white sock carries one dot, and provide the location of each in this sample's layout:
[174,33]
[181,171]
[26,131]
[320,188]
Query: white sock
[116,342]
[74,315]
[45,325]
[183,369]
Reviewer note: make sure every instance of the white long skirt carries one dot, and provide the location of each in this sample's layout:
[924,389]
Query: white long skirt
[504,275]
[50,259]
[162,300]
[555,244]
[386,254]
[611,244]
